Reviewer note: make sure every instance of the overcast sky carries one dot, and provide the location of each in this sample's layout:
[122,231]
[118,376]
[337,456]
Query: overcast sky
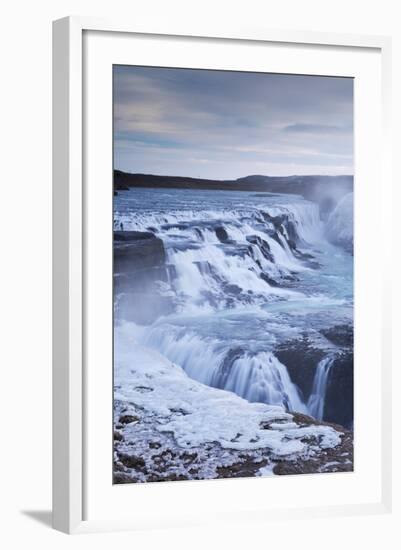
[226,125]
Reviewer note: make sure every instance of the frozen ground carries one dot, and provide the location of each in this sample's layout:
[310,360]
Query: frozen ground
[171,427]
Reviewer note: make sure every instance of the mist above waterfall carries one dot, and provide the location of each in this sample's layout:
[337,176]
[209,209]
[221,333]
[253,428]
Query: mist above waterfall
[340,223]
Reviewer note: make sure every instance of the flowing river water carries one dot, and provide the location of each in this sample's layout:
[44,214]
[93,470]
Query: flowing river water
[244,275]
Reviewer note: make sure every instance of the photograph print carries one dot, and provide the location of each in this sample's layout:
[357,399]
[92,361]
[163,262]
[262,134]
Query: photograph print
[232,274]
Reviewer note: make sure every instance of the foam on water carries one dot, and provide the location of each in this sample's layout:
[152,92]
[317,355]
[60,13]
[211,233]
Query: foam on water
[240,253]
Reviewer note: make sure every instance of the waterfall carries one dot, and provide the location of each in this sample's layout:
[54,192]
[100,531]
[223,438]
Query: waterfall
[221,260]
[258,377]
[318,395]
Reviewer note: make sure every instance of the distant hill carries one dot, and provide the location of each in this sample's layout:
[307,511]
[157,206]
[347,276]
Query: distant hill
[326,190]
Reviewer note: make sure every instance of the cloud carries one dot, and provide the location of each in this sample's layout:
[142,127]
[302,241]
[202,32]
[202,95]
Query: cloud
[316,129]
[227,122]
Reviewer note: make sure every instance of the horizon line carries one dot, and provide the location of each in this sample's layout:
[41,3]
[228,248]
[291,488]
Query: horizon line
[230,179]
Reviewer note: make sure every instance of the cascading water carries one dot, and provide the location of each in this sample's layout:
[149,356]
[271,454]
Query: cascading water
[318,395]
[258,377]
[245,274]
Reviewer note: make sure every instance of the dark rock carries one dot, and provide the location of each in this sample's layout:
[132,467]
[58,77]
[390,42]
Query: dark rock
[122,477]
[221,234]
[132,461]
[291,232]
[164,458]
[340,335]
[135,251]
[198,232]
[274,235]
[232,289]
[301,360]
[180,411]
[306,420]
[269,280]
[284,226]
[336,459]
[262,245]
[267,425]
[247,467]
[188,458]
[277,221]
[307,258]
[139,267]
[237,249]
[339,402]
[143,389]
[128,419]
[175,226]
[132,236]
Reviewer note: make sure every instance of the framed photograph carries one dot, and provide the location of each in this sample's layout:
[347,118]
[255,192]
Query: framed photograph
[221,306]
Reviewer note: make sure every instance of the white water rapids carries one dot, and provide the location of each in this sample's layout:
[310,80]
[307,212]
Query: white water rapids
[245,274]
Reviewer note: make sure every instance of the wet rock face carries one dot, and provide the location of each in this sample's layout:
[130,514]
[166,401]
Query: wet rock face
[135,251]
[283,225]
[340,335]
[139,268]
[131,236]
[269,280]
[221,234]
[262,245]
[339,405]
[301,358]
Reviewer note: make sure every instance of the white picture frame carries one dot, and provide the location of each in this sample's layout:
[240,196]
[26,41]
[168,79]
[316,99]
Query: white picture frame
[70,259]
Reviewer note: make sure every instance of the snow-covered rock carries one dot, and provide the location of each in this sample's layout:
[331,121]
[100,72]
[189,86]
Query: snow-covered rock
[168,426]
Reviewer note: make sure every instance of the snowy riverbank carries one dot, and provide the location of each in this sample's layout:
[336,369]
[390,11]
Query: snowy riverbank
[169,426]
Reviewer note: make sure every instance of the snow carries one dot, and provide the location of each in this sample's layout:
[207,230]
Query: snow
[266,471]
[196,415]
